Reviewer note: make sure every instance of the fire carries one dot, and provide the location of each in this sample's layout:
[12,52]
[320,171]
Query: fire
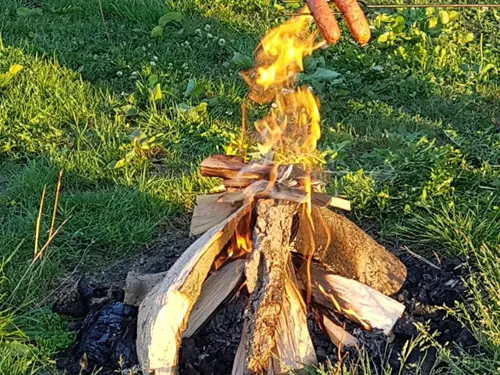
[346,311]
[292,129]
[240,244]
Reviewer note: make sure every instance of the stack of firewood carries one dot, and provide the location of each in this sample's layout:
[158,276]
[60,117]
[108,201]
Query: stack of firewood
[299,256]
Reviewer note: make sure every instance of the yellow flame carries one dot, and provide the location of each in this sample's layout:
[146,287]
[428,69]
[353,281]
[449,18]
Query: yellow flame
[292,128]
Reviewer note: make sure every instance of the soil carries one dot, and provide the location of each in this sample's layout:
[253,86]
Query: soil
[106,327]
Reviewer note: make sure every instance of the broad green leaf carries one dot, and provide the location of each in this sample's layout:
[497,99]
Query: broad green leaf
[117,164]
[444,18]
[433,22]
[453,15]
[322,74]
[29,12]
[156,93]
[383,38]
[190,87]
[157,32]
[242,61]
[153,80]
[169,17]
[137,134]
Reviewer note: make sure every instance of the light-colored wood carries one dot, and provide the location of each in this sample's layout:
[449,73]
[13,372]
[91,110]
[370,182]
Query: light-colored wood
[208,212]
[137,286]
[367,304]
[338,335]
[232,167]
[239,359]
[216,289]
[164,313]
[294,347]
[325,200]
[346,250]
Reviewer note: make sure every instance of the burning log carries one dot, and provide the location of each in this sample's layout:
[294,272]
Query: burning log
[266,271]
[346,250]
[164,313]
[353,299]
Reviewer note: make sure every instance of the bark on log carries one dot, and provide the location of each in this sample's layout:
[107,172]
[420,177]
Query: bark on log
[266,274]
[164,313]
[346,250]
[369,305]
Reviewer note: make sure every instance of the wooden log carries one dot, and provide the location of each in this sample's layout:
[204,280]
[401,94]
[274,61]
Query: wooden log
[239,364]
[232,167]
[294,347]
[325,200]
[208,212]
[218,287]
[339,336]
[352,298]
[164,313]
[266,273]
[346,250]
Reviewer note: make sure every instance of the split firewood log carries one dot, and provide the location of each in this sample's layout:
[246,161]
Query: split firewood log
[339,336]
[218,287]
[266,272]
[294,347]
[209,212]
[346,250]
[352,298]
[232,167]
[164,313]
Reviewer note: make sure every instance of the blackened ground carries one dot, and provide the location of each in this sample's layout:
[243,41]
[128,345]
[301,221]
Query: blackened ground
[106,328]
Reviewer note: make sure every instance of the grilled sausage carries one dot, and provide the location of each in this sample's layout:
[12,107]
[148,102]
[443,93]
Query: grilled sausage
[356,20]
[325,19]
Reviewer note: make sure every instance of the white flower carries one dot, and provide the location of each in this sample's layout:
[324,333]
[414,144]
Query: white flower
[209,36]
[222,42]
[197,32]
[134,74]
[186,43]
[152,63]
[274,105]
[207,27]
[119,73]
[155,58]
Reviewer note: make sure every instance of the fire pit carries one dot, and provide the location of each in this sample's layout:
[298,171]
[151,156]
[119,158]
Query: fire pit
[272,236]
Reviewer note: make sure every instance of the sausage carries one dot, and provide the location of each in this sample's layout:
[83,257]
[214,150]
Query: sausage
[356,20]
[325,19]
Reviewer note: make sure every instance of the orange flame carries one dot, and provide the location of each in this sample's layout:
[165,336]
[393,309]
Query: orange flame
[292,128]
[240,244]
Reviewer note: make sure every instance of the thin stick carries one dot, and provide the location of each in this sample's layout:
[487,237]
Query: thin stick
[56,203]
[39,221]
[420,257]
[103,21]
[42,250]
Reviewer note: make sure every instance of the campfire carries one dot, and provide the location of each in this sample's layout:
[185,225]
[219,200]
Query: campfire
[272,236]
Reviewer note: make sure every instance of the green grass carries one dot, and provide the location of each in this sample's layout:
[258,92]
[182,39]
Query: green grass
[411,132]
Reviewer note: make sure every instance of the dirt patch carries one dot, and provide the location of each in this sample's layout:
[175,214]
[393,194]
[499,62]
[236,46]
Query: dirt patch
[103,317]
